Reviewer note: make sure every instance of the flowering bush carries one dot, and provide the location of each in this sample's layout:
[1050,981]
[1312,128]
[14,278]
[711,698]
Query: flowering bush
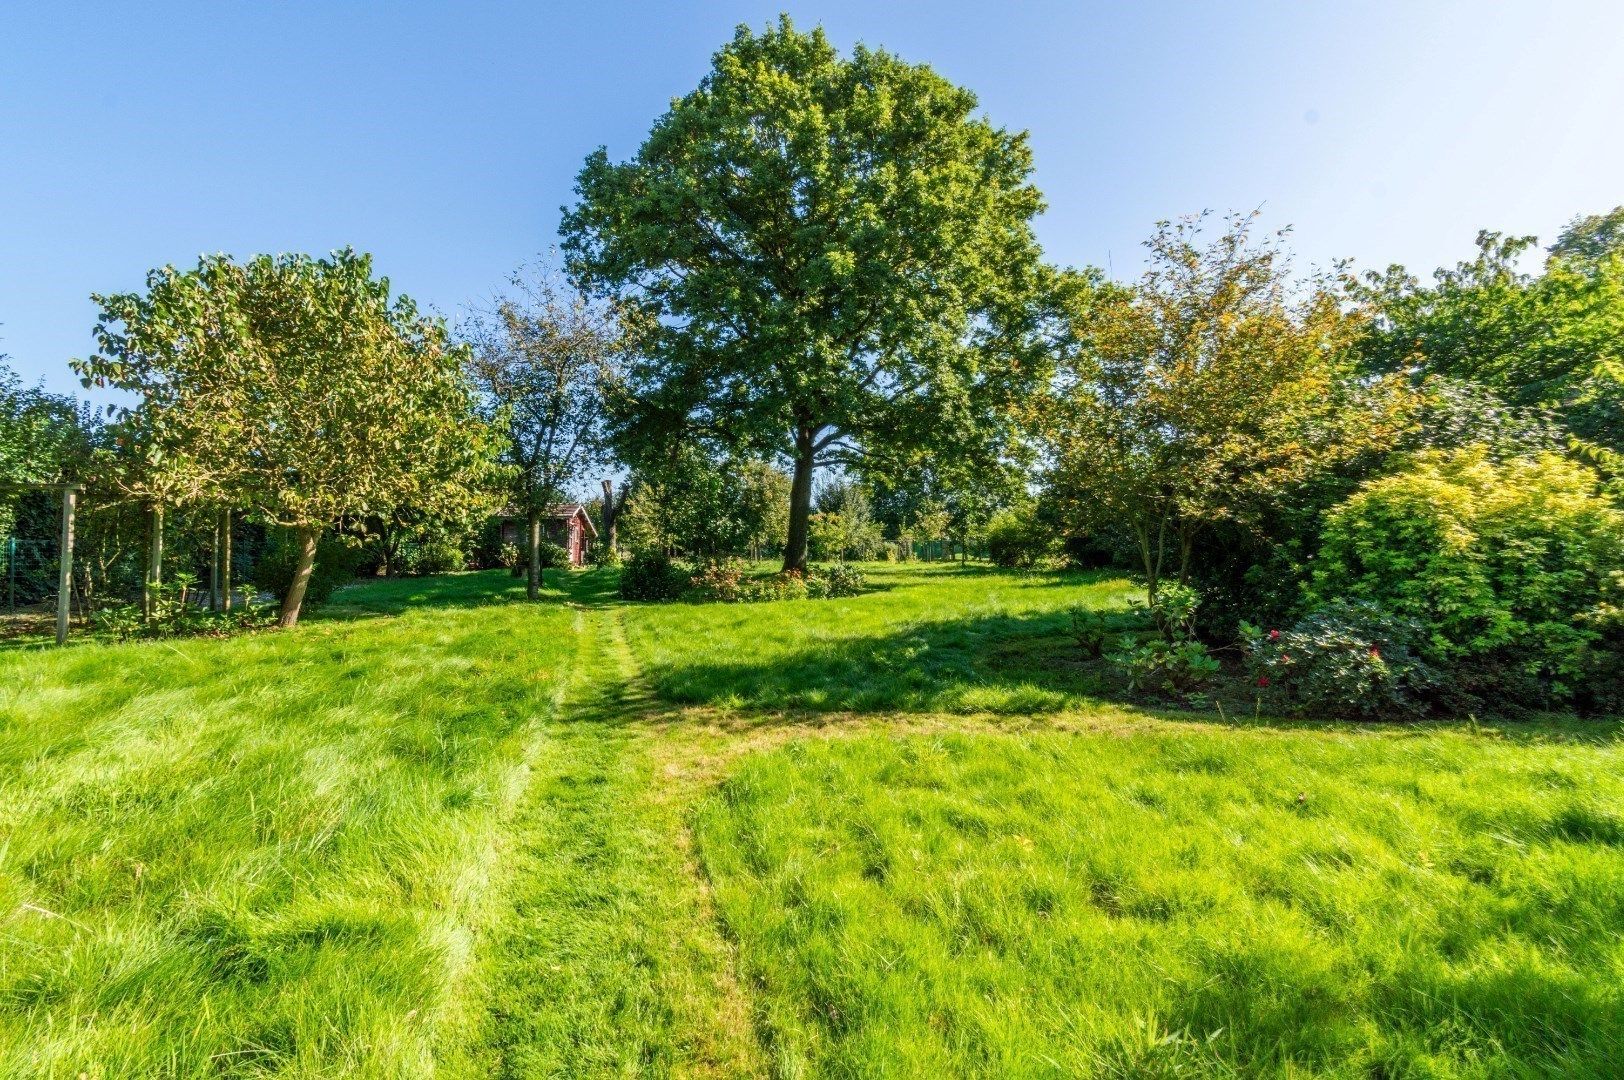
[837,580]
[1344,658]
[720,581]
[787,585]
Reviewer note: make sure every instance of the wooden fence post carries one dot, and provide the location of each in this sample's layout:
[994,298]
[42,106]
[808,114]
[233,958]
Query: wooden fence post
[64,576]
[225,560]
[155,559]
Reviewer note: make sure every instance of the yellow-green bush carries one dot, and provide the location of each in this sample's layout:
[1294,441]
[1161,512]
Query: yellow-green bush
[1503,564]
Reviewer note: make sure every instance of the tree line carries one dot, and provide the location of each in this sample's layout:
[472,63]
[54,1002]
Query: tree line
[825,265]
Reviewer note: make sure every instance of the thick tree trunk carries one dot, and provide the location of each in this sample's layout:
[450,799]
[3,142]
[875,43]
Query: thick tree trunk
[301,577]
[800,503]
[533,531]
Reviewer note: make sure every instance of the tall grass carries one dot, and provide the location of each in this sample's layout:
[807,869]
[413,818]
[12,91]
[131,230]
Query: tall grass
[263,854]
[928,636]
[1179,902]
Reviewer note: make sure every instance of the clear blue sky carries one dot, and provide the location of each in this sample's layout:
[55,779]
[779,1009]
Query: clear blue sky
[443,138]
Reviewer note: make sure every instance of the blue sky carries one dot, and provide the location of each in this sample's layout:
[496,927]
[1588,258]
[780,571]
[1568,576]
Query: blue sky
[444,138]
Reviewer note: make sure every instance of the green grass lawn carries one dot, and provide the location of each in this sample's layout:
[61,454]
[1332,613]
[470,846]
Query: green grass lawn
[442,831]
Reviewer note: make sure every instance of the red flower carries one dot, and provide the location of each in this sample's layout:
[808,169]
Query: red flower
[1284,659]
[1375,653]
[1274,635]
[1263,680]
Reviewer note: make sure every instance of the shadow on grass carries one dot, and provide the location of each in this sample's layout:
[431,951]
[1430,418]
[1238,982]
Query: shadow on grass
[1015,665]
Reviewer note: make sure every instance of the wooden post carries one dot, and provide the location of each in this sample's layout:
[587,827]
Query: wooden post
[225,561]
[64,576]
[533,586]
[214,568]
[155,560]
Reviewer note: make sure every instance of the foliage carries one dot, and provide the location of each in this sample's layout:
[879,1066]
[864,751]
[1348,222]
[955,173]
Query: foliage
[844,527]
[508,556]
[1016,538]
[540,360]
[702,504]
[1500,563]
[294,387]
[835,255]
[553,556]
[336,561]
[727,581]
[1089,628]
[1203,395]
[650,575]
[835,581]
[1590,239]
[1344,658]
[605,556]
[1550,340]
[175,613]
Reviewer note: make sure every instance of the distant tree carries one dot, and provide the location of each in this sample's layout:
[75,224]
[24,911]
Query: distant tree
[763,504]
[44,438]
[1552,340]
[1590,239]
[1202,393]
[294,387]
[541,359]
[836,252]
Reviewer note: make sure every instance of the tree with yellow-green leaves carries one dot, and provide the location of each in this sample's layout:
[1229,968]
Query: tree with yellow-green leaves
[1202,392]
[295,388]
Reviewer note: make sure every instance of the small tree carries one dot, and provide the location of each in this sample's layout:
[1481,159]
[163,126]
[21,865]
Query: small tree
[297,388]
[541,359]
[1202,393]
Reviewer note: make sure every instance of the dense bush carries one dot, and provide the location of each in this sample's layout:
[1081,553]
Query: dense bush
[604,555]
[1015,538]
[726,581]
[1507,567]
[650,575]
[1346,658]
[440,555]
[336,562]
[552,556]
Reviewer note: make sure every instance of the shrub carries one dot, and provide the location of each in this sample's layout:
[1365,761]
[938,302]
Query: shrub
[650,575]
[508,555]
[837,580]
[718,580]
[439,556]
[1089,628]
[553,556]
[604,555]
[1497,562]
[786,585]
[1346,658]
[1174,666]
[1016,539]
[336,562]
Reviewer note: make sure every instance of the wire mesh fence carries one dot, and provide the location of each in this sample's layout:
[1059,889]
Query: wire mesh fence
[29,574]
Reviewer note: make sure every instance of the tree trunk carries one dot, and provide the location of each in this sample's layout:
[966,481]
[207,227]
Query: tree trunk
[800,503]
[155,562]
[533,527]
[225,561]
[301,577]
[610,513]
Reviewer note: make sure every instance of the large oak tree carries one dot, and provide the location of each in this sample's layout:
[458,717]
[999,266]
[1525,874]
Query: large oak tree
[837,252]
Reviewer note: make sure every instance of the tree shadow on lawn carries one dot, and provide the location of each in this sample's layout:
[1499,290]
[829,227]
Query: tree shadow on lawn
[1010,665]
[370,598]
